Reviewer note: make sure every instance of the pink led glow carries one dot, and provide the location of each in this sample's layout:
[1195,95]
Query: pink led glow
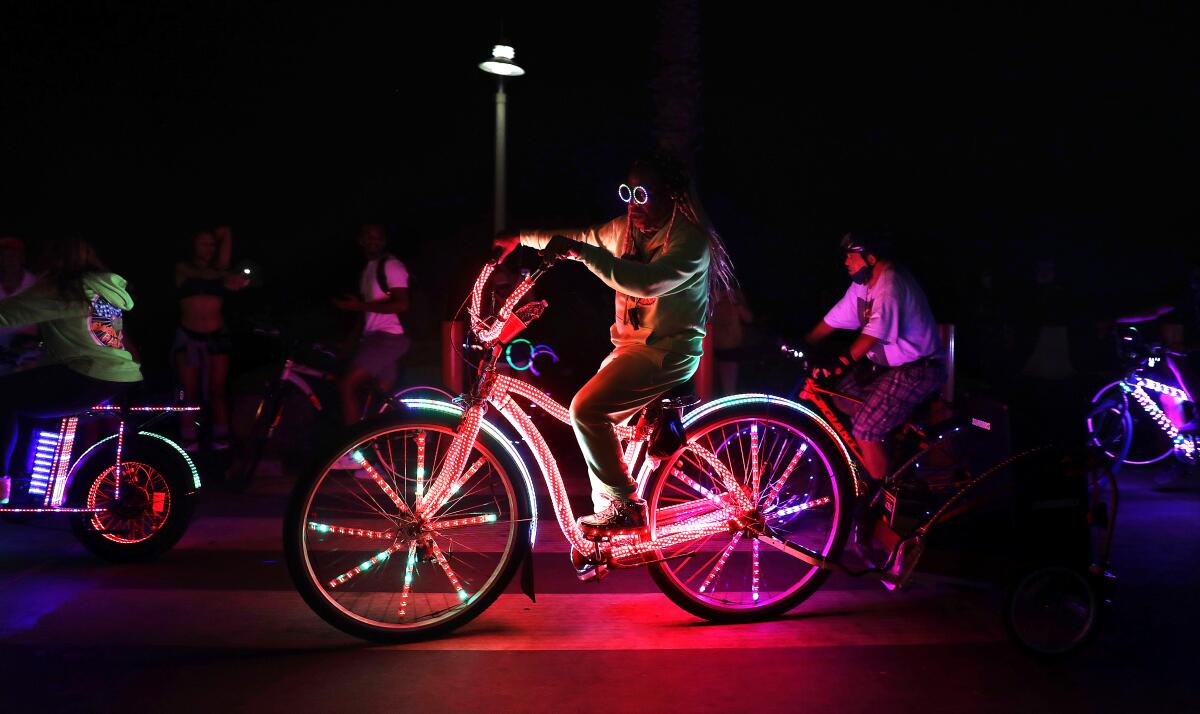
[5,509]
[754,572]
[477,290]
[732,510]
[800,507]
[342,530]
[462,481]
[408,571]
[731,484]
[755,473]
[62,462]
[452,466]
[379,481]
[460,522]
[364,566]
[441,559]
[716,569]
[111,408]
[554,483]
[545,402]
[778,486]
[420,463]
[667,541]
[117,467]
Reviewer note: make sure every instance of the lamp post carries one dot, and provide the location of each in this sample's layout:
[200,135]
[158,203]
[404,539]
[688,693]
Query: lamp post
[501,65]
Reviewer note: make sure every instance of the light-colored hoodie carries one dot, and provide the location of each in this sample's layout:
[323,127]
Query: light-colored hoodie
[84,335]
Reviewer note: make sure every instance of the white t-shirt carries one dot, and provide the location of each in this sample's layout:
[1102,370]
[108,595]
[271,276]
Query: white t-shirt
[6,334]
[397,277]
[893,310]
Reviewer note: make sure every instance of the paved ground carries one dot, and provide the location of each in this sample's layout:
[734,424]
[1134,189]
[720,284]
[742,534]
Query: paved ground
[215,626]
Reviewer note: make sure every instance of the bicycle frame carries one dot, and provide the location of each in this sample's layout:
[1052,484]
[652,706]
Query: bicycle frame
[680,523]
[54,466]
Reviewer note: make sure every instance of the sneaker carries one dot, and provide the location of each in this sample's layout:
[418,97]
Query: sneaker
[905,562]
[622,517]
[5,490]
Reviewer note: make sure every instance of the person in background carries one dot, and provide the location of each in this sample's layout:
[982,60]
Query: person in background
[202,345]
[14,279]
[730,314]
[383,296]
[80,307]
[895,361]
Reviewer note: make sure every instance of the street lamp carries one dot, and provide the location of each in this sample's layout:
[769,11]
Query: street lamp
[502,66]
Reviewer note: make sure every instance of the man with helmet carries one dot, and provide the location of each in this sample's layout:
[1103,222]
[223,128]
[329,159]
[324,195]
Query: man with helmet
[894,363]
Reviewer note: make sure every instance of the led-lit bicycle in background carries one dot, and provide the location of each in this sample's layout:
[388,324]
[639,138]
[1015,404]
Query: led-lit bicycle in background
[1145,416]
[130,494]
[433,523]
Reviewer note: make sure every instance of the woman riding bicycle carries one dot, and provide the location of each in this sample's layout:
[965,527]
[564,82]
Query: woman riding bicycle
[665,263]
[79,305]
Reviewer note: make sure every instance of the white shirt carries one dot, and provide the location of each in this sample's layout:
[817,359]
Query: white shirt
[6,334]
[397,277]
[894,311]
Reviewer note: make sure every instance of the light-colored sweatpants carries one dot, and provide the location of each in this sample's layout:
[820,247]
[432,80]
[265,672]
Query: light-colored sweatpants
[629,378]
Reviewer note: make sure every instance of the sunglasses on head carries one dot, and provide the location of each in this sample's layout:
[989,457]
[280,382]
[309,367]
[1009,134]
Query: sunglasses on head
[638,194]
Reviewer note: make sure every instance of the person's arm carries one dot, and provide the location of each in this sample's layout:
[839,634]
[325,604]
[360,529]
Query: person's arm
[606,235]
[685,257]
[819,333]
[35,306]
[396,300]
[1145,316]
[225,248]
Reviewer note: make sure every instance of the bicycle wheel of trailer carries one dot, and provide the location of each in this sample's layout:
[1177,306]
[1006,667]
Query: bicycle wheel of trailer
[368,566]
[804,496]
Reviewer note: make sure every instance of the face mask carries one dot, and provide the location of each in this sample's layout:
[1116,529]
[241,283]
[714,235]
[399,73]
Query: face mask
[862,275]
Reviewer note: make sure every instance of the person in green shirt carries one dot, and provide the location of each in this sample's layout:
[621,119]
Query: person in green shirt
[665,263]
[79,306]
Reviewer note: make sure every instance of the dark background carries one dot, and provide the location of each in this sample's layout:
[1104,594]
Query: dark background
[984,138]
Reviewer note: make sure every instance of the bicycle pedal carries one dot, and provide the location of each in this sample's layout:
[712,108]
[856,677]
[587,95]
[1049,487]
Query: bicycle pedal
[593,573]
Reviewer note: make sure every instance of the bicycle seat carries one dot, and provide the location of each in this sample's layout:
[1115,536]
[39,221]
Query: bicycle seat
[680,396]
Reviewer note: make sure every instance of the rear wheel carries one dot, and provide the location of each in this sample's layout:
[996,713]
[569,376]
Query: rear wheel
[150,511]
[804,495]
[368,566]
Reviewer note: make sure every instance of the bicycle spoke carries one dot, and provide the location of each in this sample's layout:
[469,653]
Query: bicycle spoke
[342,530]
[754,577]
[712,575]
[408,576]
[754,471]
[387,490]
[364,566]
[441,559]
[801,507]
[778,486]
[461,522]
[420,464]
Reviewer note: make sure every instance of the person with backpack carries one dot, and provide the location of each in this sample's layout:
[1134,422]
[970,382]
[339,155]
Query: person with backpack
[383,296]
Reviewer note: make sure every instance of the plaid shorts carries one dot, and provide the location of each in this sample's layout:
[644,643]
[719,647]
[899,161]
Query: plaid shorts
[889,394]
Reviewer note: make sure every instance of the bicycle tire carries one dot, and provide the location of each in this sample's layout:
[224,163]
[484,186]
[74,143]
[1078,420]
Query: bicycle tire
[160,491]
[315,556]
[823,467]
[1053,611]
[1138,433]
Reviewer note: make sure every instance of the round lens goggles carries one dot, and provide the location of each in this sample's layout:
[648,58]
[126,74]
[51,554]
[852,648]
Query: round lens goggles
[638,194]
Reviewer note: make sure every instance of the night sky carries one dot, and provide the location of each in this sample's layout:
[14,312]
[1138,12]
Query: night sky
[984,139]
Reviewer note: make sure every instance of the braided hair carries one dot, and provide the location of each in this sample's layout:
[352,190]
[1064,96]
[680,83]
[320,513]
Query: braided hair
[682,188]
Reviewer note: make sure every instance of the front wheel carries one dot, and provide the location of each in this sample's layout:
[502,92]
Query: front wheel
[797,479]
[1053,611]
[1121,428]
[370,567]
